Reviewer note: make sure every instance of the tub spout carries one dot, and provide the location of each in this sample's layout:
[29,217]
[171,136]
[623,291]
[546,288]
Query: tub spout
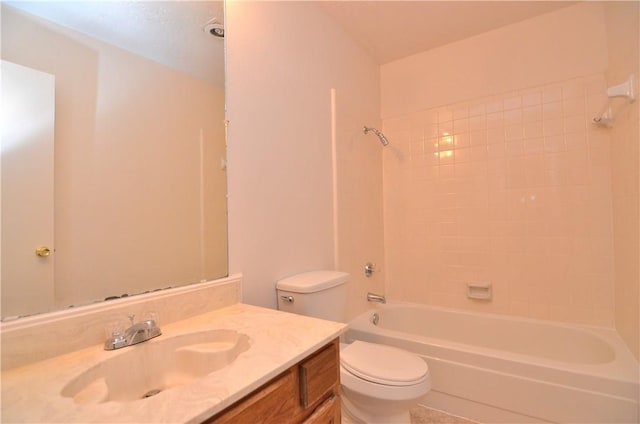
[372,297]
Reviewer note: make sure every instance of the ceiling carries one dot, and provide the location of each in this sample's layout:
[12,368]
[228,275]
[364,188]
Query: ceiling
[171,32]
[391,30]
[168,32]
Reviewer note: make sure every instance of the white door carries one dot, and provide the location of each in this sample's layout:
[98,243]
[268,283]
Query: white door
[26,150]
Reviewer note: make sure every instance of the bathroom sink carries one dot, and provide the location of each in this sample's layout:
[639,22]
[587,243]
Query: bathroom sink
[148,368]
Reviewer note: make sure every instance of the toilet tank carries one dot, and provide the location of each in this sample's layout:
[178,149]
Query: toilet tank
[320,294]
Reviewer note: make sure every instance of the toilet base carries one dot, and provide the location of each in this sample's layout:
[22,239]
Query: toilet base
[352,414]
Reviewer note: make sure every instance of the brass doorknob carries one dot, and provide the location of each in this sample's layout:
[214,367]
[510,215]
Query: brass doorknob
[43,251]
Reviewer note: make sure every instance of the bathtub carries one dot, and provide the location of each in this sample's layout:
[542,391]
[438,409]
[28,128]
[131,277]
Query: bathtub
[495,368]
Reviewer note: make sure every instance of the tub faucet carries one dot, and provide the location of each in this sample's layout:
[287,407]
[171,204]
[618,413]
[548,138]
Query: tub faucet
[136,333]
[372,297]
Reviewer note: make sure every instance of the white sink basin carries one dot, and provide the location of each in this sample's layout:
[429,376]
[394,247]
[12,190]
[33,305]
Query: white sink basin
[145,369]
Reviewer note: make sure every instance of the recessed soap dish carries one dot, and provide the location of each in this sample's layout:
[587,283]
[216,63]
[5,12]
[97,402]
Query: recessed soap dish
[481,291]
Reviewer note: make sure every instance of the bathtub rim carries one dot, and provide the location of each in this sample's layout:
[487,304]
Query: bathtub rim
[621,369]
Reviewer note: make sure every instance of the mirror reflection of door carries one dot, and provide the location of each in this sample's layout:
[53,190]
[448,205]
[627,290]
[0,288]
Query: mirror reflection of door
[26,150]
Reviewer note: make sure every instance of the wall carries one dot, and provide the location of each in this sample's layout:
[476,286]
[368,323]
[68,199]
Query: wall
[623,42]
[498,176]
[123,217]
[281,205]
[553,47]
[359,191]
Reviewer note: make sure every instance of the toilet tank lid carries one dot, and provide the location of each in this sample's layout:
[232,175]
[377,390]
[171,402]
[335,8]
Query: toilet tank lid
[313,281]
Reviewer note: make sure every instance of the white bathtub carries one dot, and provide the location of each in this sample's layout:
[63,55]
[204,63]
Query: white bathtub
[495,368]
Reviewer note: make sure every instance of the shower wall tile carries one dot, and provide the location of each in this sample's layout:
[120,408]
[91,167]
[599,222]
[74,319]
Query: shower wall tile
[514,190]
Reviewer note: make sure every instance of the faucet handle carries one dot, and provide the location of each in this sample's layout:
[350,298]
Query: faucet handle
[369,269]
[132,318]
[115,329]
[151,316]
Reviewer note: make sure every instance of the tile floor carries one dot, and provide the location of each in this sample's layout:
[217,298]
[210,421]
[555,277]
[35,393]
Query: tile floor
[422,415]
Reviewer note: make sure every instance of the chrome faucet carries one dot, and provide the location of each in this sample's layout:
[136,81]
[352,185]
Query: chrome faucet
[372,297]
[136,333]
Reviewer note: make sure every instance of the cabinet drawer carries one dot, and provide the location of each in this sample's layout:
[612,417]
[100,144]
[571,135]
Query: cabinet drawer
[319,375]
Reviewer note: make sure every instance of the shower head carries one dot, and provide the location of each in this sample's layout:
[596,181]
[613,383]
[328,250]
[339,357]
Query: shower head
[381,136]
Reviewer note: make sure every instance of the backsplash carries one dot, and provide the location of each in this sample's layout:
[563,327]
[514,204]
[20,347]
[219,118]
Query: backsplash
[512,190]
[39,337]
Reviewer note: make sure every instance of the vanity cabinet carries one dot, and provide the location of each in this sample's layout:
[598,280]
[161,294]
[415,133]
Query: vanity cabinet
[307,393]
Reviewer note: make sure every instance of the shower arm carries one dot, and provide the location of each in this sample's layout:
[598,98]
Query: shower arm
[378,133]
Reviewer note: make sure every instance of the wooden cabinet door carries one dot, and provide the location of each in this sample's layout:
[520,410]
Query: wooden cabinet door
[319,375]
[327,413]
[307,393]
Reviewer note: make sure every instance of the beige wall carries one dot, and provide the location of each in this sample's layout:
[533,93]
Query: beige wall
[283,59]
[127,173]
[553,47]
[498,175]
[623,44]
[359,189]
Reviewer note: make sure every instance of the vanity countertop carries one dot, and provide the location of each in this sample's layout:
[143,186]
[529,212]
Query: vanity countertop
[278,340]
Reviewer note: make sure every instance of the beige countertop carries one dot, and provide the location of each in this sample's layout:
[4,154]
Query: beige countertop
[277,341]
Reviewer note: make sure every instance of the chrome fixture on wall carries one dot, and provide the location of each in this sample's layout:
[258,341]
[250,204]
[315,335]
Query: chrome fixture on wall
[369,269]
[626,90]
[378,298]
[381,136]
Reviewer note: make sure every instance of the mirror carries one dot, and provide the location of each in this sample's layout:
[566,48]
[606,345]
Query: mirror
[137,187]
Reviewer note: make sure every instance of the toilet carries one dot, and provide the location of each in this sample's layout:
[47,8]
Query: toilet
[380,383]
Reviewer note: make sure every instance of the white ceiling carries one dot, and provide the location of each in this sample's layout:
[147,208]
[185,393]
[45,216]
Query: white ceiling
[171,32]
[390,30]
[168,32]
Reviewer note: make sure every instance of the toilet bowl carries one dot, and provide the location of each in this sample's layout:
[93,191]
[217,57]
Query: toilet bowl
[380,383]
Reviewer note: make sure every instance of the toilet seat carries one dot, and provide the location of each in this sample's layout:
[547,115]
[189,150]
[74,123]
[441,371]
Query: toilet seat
[383,364]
